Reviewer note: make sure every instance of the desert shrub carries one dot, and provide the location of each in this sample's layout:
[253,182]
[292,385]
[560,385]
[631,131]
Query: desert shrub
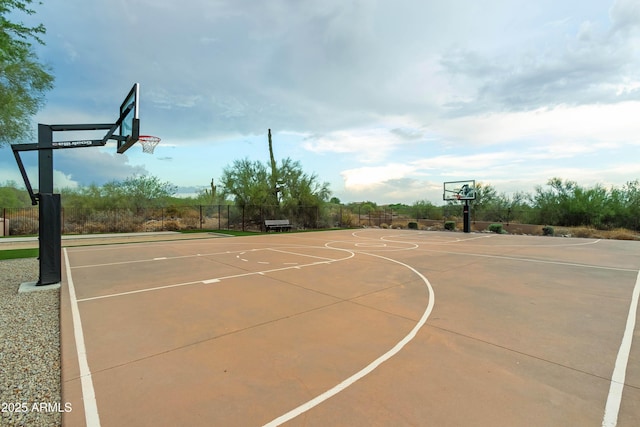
[496,228]
[450,225]
[585,232]
[71,228]
[412,226]
[623,234]
[384,225]
[171,225]
[436,226]
[92,227]
[191,219]
[397,226]
[191,223]
[172,212]
[130,225]
[152,225]
[347,219]
[22,226]
[548,230]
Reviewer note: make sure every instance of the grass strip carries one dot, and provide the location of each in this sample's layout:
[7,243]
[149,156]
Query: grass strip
[18,253]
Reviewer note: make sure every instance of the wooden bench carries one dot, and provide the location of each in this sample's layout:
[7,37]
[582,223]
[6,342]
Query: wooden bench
[277,224]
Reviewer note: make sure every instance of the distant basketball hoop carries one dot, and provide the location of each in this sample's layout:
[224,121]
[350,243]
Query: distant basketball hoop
[461,191]
[148,142]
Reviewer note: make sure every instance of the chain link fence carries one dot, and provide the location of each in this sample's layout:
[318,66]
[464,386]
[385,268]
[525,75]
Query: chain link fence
[25,221]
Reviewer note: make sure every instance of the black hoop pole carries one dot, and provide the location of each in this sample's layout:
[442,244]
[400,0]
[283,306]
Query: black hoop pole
[466,218]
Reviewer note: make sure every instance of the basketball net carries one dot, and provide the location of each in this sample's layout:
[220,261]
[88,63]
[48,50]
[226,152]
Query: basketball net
[148,143]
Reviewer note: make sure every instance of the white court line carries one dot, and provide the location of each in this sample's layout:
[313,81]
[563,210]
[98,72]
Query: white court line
[157,288]
[614,398]
[458,240]
[560,245]
[88,393]
[215,280]
[153,259]
[539,261]
[295,253]
[241,252]
[434,240]
[370,367]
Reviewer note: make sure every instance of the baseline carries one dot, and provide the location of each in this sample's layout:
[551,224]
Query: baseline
[92,417]
[614,398]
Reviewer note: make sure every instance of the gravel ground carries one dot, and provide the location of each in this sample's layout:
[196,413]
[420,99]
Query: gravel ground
[29,349]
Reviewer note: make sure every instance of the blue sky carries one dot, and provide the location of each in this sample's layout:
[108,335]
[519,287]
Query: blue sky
[384,100]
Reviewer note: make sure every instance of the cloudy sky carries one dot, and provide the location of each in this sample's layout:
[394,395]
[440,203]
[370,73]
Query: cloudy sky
[384,100]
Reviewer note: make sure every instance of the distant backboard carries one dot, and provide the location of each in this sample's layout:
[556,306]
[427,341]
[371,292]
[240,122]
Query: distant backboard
[459,190]
[130,124]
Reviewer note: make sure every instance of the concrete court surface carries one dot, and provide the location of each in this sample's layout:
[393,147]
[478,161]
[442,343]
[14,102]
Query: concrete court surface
[352,328]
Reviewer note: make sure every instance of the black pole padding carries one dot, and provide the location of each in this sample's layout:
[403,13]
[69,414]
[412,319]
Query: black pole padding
[466,218]
[50,239]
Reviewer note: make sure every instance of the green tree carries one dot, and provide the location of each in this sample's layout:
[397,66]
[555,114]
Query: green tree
[486,203]
[13,197]
[300,188]
[631,206]
[424,209]
[271,190]
[568,204]
[134,192]
[363,208]
[143,191]
[23,80]
[552,202]
[246,182]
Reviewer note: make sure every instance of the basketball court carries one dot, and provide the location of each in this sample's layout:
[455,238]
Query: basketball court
[357,328]
[367,327]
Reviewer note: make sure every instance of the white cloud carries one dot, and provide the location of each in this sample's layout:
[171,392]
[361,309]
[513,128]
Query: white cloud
[368,177]
[368,144]
[382,98]
[164,99]
[581,124]
[625,15]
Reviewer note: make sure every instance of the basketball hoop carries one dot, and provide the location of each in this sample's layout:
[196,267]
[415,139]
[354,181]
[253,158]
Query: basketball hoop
[148,143]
